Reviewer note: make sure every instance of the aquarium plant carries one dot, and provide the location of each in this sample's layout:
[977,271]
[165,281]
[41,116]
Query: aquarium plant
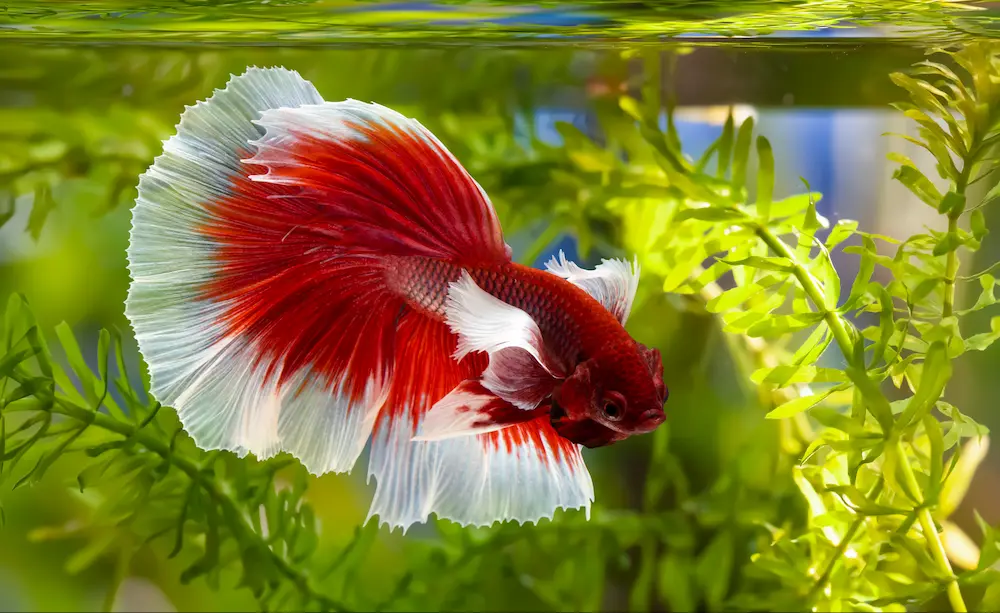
[840,502]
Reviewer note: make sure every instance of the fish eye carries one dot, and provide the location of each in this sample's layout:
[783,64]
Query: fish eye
[612,409]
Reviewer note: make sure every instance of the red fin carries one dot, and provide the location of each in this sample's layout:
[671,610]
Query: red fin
[385,184]
[263,333]
[301,239]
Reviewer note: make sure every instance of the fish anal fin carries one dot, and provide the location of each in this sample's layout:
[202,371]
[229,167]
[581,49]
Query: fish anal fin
[468,409]
[521,472]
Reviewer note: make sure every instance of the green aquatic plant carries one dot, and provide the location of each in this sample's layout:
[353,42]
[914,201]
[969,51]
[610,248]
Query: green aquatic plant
[881,469]
[153,483]
[328,20]
[856,369]
[840,500]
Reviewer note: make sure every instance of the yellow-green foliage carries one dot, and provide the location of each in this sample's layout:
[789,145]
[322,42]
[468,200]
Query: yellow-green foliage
[841,503]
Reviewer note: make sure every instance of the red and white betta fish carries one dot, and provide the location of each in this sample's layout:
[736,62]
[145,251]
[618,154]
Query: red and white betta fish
[309,274]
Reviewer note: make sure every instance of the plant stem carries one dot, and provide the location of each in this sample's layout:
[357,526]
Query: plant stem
[838,553]
[933,538]
[951,264]
[840,333]
[951,272]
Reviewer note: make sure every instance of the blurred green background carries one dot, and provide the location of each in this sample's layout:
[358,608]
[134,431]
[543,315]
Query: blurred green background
[79,123]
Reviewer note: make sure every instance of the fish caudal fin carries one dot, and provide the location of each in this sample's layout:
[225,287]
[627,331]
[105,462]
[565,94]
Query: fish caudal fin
[241,321]
[260,243]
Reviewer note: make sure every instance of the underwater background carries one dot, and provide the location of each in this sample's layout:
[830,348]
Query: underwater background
[526,97]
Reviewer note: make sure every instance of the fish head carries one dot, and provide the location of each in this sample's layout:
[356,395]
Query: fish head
[611,397]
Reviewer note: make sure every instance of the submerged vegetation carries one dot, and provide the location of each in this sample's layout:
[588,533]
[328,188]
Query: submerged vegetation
[837,498]
[332,20]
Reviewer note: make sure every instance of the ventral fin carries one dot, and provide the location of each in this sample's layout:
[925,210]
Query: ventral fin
[613,283]
[511,338]
[518,378]
[468,409]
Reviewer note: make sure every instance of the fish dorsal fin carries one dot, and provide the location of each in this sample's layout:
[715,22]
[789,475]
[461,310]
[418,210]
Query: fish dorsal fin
[387,182]
[613,283]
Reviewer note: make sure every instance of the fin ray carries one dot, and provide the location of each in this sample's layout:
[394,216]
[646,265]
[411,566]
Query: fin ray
[613,283]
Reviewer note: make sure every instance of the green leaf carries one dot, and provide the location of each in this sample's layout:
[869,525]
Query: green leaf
[893,473]
[789,374]
[950,242]
[991,598]
[582,151]
[763,263]
[875,402]
[925,95]
[959,479]
[783,324]
[42,205]
[631,107]
[952,202]
[725,151]
[934,376]
[797,405]
[732,298]
[681,269]
[738,322]
[831,279]
[765,178]
[91,553]
[841,231]
[6,207]
[987,298]
[813,347]
[920,185]
[807,231]
[934,435]
[886,326]
[793,205]
[741,155]
[832,418]
[77,364]
[675,581]
[977,223]
[710,214]
[210,560]
[989,552]
[980,342]
[865,270]
[858,502]
[713,569]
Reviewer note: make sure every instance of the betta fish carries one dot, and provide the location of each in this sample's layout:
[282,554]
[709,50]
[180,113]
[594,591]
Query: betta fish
[309,275]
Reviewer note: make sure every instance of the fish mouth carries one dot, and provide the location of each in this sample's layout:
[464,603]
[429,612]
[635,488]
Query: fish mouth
[650,420]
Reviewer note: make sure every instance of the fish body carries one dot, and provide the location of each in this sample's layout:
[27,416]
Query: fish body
[575,327]
[572,323]
[308,276]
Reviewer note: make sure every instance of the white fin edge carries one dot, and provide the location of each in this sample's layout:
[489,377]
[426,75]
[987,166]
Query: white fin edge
[613,283]
[470,481]
[223,400]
